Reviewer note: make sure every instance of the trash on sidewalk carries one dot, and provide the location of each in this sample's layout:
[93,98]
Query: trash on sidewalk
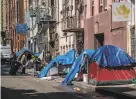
[48,78]
[77,89]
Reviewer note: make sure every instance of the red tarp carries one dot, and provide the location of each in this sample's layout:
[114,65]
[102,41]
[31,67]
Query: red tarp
[103,74]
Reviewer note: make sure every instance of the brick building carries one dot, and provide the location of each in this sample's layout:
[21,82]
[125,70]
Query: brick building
[12,13]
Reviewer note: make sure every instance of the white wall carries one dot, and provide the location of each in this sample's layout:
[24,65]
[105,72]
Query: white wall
[62,38]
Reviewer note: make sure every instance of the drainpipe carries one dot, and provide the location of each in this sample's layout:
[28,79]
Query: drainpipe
[8,16]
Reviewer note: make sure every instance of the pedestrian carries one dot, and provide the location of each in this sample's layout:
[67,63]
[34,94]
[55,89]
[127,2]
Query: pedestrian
[48,57]
[23,62]
[13,58]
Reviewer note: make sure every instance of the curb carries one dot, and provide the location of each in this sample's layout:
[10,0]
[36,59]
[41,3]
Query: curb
[113,93]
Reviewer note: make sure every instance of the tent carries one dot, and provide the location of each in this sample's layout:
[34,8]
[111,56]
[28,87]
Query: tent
[37,54]
[22,51]
[111,65]
[66,59]
[76,66]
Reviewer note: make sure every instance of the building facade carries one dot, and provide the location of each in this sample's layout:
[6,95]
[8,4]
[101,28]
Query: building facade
[30,20]
[60,25]
[12,13]
[71,23]
[99,28]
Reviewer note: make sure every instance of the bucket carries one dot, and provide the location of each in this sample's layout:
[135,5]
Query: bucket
[76,75]
[85,78]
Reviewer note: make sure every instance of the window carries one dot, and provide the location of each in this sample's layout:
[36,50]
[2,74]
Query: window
[113,0]
[101,2]
[105,4]
[85,10]
[92,7]
[100,9]
[100,6]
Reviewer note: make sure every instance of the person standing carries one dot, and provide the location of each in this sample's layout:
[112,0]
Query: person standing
[23,62]
[48,57]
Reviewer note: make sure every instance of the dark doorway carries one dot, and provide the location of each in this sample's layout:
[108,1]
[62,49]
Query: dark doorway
[29,45]
[34,46]
[98,40]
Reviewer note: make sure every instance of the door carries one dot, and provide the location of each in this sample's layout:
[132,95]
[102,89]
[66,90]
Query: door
[79,41]
[133,43]
[98,40]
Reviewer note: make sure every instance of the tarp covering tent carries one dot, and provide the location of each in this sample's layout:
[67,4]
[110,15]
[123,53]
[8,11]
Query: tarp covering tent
[76,66]
[111,65]
[65,59]
[37,54]
[20,52]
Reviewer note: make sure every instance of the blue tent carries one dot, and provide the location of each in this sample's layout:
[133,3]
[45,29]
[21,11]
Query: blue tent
[65,59]
[21,52]
[37,54]
[25,50]
[111,56]
[76,66]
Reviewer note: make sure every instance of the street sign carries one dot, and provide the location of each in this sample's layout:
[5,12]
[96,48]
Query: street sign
[121,11]
[21,28]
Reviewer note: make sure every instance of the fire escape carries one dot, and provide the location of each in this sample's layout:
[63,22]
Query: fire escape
[44,18]
[72,22]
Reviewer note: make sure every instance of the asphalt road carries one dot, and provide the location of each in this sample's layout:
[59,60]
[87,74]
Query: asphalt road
[28,87]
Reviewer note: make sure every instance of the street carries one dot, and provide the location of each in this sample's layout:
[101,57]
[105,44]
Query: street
[29,87]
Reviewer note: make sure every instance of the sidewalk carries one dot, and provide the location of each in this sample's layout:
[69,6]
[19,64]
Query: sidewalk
[122,90]
[128,91]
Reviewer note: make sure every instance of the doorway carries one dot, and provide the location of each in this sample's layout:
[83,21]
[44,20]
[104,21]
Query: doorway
[29,45]
[98,40]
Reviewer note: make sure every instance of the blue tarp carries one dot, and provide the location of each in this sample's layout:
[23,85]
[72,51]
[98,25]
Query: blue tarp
[25,50]
[76,66]
[21,28]
[65,59]
[37,54]
[111,56]
[20,52]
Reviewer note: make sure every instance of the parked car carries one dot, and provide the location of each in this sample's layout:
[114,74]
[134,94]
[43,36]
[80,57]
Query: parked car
[6,53]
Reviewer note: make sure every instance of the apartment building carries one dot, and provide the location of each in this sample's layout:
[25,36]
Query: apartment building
[30,20]
[71,16]
[12,13]
[99,28]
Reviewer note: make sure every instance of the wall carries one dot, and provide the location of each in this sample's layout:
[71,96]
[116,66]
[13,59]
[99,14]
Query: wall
[114,34]
[68,40]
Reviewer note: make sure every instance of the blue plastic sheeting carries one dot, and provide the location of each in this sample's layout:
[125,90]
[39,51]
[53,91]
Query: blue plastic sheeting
[76,66]
[111,56]
[65,59]
[45,70]
[20,52]
[37,54]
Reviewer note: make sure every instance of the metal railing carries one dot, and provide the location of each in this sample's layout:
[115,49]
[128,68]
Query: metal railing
[46,14]
[70,23]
